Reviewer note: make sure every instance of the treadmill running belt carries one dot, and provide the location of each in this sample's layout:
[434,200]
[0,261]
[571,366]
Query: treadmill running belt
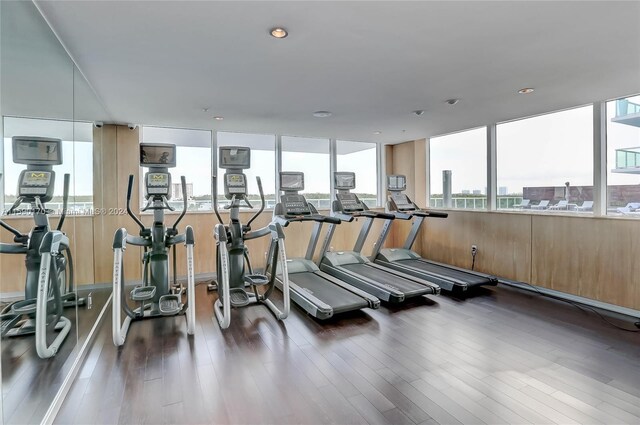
[470,278]
[408,287]
[338,298]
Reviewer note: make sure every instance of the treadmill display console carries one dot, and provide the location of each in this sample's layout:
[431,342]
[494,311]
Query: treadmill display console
[295,205]
[350,202]
[402,202]
[34,183]
[235,183]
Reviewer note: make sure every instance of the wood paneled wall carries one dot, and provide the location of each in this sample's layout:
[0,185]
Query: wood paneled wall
[586,256]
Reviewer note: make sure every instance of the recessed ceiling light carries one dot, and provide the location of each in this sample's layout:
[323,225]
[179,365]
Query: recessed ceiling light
[218,118]
[377,132]
[322,114]
[526,90]
[452,101]
[279,32]
[418,113]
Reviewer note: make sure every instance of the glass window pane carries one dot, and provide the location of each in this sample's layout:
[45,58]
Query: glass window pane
[545,163]
[263,160]
[310,156]
[360,158]
[623,157]
[464,155]
[193,160]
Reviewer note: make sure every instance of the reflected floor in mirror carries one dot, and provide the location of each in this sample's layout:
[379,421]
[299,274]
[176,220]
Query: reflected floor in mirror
[29,383]
[500,356]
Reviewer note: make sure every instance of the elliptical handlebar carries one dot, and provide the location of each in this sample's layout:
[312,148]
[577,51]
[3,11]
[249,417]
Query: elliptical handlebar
[65,199]
[262,201]
[16,232]
[183,182]
[131,214]
[214,182]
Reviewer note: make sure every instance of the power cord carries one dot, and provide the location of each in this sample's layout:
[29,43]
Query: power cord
[474,252]
[584,308]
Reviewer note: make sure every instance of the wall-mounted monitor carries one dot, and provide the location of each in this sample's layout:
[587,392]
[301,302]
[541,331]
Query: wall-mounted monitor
[157,155]
[36,150]
[396,182]
[344,180]
[234,157]
[291,181]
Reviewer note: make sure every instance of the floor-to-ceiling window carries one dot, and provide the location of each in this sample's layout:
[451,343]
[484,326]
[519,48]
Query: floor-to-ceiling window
[623,157]
[458,170]
[311,156]
[545,162]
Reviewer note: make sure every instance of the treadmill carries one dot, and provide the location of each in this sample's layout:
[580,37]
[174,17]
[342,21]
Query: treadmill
[449,278]
[319,294]
[392,286]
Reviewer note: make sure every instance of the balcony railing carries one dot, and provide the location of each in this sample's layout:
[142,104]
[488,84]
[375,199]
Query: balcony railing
[625,107]
[628,158]
[475,203]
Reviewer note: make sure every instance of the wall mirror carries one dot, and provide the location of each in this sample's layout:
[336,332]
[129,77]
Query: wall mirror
[48,113]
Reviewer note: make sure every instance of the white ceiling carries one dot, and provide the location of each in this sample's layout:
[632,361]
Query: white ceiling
[370,63]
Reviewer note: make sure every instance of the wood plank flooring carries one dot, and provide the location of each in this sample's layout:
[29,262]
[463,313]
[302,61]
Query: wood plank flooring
[501,356]
[30,383]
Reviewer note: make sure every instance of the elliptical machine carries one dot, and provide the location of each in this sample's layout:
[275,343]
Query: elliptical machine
[49,284]
[156,296]
[233,267]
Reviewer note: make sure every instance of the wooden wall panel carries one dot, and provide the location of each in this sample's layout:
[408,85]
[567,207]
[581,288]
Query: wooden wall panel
[404,163]
[79,231]
[595,258]
[503,240]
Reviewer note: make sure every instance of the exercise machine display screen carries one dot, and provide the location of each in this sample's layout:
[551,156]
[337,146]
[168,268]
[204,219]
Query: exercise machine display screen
[344,180]
[157,155]
[235,183]
[158,183]
[235,157]
[350,202]
[34,183]
[291,181]
[37,150]
[396,182]
[295,205]
[402,201]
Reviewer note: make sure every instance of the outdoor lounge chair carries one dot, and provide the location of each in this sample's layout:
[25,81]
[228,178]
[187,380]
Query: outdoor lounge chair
[543,205]
[561,205]
[525,203]
[630,207]
[586,206]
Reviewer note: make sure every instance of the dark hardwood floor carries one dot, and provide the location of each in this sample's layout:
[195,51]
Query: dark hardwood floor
[502,356]
[30,383]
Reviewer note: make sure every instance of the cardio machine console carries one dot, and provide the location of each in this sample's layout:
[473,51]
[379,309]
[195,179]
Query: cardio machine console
[350,202]
[35,183]
[235,184]
[402,201]
[158,183]
[295,205]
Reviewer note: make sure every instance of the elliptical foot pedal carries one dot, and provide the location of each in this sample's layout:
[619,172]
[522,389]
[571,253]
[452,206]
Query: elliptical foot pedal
[142,293]
[255,279]
[238,297]
[8,322]
[24,307]
[169,305]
